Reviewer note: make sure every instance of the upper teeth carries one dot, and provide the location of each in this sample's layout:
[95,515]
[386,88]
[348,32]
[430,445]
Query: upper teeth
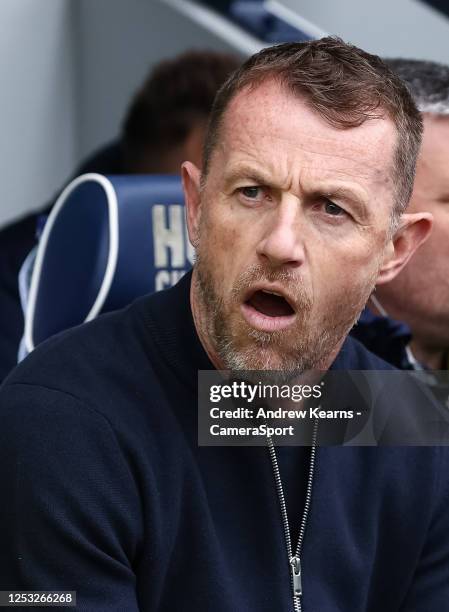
[272,292]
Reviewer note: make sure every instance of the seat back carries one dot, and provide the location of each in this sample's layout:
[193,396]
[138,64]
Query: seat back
[108,240]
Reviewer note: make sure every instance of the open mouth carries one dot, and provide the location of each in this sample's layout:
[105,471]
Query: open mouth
[270,304]
[268,310]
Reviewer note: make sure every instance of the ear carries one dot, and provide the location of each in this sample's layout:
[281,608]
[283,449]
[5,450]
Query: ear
[191,177]
[413,230]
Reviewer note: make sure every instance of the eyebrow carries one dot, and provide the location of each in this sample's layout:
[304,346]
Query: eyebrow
[248,173]
[346,194]
[337,192]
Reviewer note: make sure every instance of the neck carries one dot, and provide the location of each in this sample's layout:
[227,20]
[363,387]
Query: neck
[200,322]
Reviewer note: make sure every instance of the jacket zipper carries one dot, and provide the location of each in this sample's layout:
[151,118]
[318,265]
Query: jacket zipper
[294,560]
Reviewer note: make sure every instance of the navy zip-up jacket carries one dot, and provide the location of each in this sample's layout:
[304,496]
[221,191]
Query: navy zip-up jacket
[105,491]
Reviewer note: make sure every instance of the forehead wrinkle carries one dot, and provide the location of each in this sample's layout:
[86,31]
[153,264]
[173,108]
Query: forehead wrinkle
[252,129]
[249,114]
[263,138]
[298,178]
[276,174]
[298,137]
[328,174]
[264,116]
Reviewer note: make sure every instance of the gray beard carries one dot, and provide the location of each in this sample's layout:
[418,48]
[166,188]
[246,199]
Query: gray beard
[252,349]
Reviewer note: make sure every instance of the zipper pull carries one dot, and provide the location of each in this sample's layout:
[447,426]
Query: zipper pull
[296,575]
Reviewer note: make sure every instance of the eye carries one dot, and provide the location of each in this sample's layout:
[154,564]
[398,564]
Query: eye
[252,192]
[333,209]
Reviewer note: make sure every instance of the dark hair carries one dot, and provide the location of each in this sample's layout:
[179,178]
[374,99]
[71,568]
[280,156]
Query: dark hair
[344,85]
[428,82]
[178,93]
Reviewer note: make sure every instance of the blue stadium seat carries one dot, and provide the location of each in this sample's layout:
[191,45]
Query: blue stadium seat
[108,240]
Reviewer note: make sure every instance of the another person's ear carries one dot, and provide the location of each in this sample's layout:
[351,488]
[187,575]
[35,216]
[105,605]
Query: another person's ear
[413,230]
[191,177]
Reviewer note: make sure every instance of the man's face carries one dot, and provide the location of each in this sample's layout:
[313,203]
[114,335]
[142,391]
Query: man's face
[293,225]
[420,293]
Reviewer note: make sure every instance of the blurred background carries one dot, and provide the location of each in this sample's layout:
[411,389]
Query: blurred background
[68,68]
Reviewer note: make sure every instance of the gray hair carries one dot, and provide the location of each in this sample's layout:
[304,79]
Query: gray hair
[428,82]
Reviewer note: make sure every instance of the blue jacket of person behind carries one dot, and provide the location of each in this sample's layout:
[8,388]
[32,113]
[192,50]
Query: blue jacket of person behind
[385,337]
[389,339]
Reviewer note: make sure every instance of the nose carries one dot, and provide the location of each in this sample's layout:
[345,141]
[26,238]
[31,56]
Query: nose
[283,241]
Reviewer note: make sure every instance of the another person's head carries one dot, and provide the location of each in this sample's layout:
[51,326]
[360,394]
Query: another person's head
[419,295]
[299,210]
[166,121]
